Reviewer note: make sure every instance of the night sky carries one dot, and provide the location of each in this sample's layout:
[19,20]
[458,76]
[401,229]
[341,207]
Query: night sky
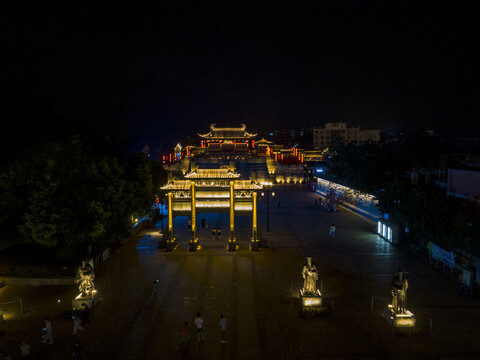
[150,74]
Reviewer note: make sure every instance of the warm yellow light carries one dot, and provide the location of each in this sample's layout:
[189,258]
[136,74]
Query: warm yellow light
[312,301]
[407,314]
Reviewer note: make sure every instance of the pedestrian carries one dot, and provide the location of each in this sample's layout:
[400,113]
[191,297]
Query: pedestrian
[219,233]
[77,351]
[47,337]
[203,223]
[77,325]
[4,356]
[25,350]
[155,286]
[199,323]
[213,233]
[206,225]
[223,327]
[86,314]
[189,224]
[332,230]
[185,332]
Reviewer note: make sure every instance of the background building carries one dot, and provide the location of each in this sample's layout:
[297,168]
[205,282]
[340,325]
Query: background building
[323,137]
[296,137]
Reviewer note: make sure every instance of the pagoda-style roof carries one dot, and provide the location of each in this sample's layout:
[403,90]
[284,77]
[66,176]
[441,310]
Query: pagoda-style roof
[177,185]
[227,133]
[264,141]
[247,184]
[238,185]
[212,174]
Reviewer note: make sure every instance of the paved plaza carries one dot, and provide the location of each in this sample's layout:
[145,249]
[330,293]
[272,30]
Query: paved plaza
[258,294]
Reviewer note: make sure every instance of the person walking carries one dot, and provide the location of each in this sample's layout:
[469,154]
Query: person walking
[77,325]
[213,233]
[223,327]
[86,314]
[47,337]
[203,223]
[4,356]
[185,332]
[25,350]
[199,323]
[155,286]
[219,234]
[332,230]
[77,351]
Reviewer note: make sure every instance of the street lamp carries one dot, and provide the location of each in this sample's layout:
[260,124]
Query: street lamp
[162,204]
[267,191]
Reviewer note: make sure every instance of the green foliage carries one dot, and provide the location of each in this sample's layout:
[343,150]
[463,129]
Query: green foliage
[364,167]
[66,196]
[426,210]
[432,216]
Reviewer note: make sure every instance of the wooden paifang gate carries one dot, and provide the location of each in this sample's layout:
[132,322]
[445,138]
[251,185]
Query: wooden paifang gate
[212,190]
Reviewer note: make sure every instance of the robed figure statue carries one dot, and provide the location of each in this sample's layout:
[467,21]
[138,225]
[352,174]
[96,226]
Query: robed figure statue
[310,276]
[84,279]
[399,292]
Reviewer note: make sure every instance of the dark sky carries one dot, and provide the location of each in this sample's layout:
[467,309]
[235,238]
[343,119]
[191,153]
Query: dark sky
[169,69]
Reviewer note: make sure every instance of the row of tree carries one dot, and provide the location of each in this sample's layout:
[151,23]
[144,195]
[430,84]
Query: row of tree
[65,194]
[426,210]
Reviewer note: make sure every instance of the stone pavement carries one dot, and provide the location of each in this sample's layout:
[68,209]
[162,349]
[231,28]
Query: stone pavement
[258,294]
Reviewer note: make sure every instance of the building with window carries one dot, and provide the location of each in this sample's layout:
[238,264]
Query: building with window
[323,137]
[228,141]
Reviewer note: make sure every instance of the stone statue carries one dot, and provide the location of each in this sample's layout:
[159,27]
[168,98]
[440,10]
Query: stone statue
[399,292]
[310,276]
[85,276]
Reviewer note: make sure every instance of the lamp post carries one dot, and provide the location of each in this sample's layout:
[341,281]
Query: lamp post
[161,209]
[267,191]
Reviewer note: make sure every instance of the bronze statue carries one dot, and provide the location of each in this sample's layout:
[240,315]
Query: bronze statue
[310,276]
[85,277]
[399,292]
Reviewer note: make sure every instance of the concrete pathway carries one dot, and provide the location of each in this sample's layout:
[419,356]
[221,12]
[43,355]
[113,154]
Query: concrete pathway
[258,294]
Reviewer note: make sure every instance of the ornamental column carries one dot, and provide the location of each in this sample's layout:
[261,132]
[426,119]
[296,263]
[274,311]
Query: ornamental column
[171,242]
[254,245]
[194,239]
[232,242]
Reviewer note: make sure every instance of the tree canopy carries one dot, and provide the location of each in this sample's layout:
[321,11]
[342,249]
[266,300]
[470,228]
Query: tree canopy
[66,195]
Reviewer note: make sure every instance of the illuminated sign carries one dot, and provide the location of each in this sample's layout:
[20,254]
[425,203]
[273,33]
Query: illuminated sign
[387,231]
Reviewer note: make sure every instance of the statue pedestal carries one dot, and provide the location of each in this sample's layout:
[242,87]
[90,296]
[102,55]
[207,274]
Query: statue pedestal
[193,246]
[170,244]
[232,244]
[312,304]
[397,320]
[90,301]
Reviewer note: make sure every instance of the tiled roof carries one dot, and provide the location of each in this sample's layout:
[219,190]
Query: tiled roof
[212,174]
[227,133]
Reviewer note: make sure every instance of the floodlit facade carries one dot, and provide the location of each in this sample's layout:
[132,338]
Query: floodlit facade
[224,141]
